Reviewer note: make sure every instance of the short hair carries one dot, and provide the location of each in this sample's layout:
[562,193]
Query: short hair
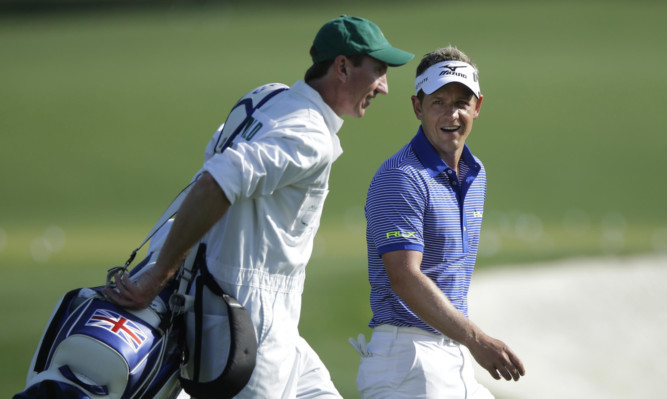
[449,53]
[319,69]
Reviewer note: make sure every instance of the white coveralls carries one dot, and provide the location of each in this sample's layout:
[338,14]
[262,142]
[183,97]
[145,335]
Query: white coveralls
[276,179]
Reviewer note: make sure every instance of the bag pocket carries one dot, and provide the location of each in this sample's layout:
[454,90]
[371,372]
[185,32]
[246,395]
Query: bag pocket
[215,338]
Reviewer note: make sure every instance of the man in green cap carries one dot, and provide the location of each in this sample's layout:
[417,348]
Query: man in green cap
[257,203]
[350,59]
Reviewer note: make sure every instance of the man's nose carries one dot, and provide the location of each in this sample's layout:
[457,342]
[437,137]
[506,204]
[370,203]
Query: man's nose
[451,111]
[383,86]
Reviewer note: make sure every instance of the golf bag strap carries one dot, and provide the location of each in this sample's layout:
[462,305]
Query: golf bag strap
[169,212]
[249,109]
[172,209]
[243,345]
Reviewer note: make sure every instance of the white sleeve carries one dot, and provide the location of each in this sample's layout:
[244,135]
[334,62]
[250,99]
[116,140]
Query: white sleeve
[210,148]
[273,158]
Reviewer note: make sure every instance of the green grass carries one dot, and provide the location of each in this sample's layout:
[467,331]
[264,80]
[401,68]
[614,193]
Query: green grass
[104,117]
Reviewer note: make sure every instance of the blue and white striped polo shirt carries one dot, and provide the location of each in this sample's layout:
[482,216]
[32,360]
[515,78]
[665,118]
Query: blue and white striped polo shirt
[416,202]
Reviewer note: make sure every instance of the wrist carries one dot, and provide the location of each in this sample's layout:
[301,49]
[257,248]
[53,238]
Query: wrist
[473,335]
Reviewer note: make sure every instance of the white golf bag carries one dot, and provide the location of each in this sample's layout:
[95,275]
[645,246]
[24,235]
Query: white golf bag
[93,348]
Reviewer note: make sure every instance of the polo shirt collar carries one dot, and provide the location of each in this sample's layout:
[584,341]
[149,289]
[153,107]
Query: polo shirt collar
[432,162]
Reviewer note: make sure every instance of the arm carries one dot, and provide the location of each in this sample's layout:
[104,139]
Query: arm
[431,305]
[202,208]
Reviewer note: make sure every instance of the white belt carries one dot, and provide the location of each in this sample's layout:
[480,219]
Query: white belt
[396,330]
[360,343]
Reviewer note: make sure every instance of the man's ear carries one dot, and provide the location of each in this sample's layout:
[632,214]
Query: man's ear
[417,107]
[478,106]
[340,65]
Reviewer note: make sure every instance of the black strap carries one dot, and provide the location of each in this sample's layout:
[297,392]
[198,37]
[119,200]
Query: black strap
[243,344]
[199,326]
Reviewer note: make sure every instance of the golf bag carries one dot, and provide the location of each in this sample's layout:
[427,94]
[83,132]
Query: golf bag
[95,349]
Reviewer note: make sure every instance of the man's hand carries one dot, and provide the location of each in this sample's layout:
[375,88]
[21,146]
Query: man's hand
[136,294]
[434,308]
[496,357]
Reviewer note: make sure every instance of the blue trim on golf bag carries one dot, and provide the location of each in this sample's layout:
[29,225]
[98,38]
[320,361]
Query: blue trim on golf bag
[51,390]
[84,325]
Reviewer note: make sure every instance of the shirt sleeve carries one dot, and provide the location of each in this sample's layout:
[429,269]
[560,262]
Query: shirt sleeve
[210,148]
[274,157]
[395,212]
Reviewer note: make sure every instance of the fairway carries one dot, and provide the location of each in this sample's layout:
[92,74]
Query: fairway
[104,117]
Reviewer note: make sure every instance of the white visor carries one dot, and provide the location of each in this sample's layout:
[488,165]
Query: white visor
[446,72]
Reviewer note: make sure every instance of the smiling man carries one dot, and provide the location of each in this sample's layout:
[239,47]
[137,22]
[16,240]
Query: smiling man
[424,210]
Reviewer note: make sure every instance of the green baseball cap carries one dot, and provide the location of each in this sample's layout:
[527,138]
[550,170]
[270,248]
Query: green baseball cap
[352,36]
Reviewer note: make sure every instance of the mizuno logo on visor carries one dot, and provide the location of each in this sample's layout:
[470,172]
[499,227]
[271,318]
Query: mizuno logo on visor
[446,72]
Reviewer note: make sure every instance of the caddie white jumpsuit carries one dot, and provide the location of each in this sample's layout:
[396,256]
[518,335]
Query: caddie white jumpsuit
[275,175]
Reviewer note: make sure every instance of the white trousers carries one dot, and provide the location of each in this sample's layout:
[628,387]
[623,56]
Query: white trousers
[286,368]
[308,379]
[408,362]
